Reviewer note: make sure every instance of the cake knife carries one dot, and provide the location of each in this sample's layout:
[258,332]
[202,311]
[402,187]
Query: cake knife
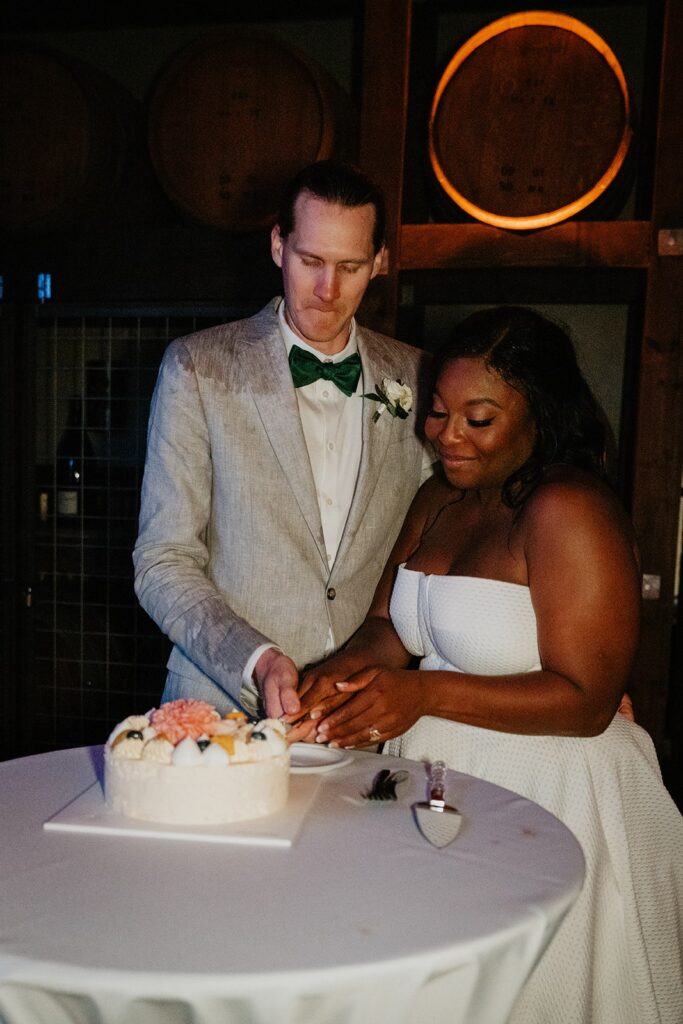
[438,822]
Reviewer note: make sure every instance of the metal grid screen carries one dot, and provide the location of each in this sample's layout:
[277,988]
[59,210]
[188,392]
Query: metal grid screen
[96,656]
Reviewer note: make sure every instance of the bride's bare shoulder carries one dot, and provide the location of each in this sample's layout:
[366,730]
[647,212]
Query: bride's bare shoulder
[572,498]
[564,484]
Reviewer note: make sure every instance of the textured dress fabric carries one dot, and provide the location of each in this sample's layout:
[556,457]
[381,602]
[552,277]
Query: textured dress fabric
[617,957]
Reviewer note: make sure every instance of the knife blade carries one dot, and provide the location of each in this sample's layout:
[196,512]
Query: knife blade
[438,822]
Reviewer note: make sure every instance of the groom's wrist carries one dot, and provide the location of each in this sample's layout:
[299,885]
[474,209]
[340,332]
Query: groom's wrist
[248,677]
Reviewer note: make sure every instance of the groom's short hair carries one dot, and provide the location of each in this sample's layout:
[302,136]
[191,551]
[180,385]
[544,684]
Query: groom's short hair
[334,181]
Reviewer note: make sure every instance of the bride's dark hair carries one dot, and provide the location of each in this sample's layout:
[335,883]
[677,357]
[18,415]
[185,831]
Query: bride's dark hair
[535,356]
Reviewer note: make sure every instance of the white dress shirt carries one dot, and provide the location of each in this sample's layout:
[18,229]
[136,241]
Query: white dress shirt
[333,429]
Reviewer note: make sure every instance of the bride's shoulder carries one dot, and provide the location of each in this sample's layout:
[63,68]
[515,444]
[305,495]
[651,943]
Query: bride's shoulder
[574,522]
[565,483]
[574,498]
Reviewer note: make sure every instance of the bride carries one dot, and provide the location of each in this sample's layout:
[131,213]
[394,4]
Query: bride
[517,569]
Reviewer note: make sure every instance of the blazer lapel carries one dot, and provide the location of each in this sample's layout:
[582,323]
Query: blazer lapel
[376,438]
[263,356]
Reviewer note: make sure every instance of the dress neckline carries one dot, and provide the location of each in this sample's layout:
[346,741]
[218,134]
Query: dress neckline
[448,576]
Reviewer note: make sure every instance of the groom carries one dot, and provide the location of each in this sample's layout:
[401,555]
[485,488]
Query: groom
[273,492]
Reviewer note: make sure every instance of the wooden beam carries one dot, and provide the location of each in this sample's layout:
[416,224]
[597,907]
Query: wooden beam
[572,244]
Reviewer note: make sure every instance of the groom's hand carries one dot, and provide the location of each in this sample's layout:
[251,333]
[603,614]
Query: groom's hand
[277,678]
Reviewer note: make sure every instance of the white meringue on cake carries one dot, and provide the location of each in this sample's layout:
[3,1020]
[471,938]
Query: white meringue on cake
[186,752]
[158,749]
[215,754]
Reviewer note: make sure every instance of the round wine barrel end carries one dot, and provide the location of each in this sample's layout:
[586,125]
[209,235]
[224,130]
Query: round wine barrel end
[232,117]
[64,143]
[531,121]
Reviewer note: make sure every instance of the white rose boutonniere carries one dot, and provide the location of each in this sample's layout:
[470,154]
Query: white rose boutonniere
[393,395]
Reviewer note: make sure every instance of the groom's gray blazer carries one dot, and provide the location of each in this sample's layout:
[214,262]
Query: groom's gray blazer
[230,552]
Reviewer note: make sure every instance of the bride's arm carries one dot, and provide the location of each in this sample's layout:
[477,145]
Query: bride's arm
[585,588]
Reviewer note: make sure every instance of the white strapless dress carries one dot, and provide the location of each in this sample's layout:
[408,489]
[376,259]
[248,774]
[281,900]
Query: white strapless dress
[617,957]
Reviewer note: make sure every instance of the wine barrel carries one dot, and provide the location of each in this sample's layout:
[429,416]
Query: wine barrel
[64,138]
[531,122]
[233,116]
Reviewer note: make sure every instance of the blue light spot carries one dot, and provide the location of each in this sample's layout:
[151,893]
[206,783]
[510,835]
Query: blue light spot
[44,287]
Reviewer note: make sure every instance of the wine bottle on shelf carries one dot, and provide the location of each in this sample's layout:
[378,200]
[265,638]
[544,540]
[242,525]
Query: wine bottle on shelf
[73,451]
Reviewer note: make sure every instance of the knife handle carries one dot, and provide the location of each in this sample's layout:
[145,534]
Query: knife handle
[438,780]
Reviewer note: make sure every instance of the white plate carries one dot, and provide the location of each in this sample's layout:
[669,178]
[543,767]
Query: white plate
[314,757]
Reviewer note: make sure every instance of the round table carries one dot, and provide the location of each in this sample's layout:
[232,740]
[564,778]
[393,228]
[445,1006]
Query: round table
[360,919]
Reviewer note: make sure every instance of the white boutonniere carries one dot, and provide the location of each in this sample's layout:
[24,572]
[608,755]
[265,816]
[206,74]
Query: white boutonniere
[393,395]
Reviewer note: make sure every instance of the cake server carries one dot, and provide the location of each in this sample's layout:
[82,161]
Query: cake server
[437,821]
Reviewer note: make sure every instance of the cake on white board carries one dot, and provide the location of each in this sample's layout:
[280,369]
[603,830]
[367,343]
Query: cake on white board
[184,764]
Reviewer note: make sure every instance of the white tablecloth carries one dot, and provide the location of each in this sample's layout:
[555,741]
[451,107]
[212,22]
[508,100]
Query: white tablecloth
[360,921]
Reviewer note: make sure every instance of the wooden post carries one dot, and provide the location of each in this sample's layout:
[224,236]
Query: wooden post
[658,450]
[386,51]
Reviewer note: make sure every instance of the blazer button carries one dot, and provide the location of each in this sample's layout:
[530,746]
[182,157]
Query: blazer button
[331,593]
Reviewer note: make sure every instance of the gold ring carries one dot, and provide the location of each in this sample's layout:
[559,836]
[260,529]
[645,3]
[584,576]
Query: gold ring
[375,735]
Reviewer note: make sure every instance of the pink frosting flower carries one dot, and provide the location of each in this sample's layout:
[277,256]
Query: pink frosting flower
[185,717]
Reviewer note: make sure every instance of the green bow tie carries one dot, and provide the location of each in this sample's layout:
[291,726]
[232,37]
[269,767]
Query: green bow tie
[306,368]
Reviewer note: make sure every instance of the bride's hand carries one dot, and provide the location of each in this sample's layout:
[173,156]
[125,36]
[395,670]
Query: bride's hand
[318,691]
[381,703]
